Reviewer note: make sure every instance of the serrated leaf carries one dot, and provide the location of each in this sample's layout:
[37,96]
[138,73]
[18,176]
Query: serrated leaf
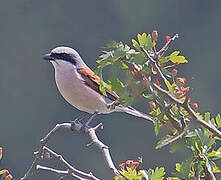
[158,174]
[207,117]
[177,59]
[135,44]
[183,169]
[148,44]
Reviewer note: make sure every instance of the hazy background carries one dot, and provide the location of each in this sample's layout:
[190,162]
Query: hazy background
[30,104]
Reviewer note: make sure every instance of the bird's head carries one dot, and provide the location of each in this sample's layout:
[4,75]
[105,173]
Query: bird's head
[64,57]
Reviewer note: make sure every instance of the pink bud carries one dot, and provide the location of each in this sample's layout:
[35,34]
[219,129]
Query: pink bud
[174,72]
[180,81]
[155,35]
[152,105]
[195,106]
[9,177]
[168,38]
[122,165]
[129,163]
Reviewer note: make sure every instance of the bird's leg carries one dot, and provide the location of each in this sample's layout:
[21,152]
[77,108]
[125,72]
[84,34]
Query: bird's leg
[77,124]
[112,105]
[91,118]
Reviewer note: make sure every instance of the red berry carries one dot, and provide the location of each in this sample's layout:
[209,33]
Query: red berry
[168,38]
[177,63]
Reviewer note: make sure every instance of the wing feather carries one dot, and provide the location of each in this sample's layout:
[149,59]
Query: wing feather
[92,80]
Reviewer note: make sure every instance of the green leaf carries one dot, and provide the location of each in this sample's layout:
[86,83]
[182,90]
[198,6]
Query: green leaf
[177,59]
[115,84]
[163,60]
[218,121]
[135,44]
[183,169]
[156,127]
[170,87]
[215,167]
[102,89]
[145,41]
[138,59]
[173,58]
[207,117]
[158,174]
[148,44]
[3,171]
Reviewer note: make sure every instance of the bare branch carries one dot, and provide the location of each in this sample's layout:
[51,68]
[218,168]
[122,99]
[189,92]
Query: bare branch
[59,172]
[71,169]
[209,172]
[165,47]
[39,153]
[73,126]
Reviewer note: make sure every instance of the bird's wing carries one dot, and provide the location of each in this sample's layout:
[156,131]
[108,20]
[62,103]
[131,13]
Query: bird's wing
[93,81]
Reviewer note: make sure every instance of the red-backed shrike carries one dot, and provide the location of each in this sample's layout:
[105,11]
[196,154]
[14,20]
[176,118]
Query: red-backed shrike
[79,85]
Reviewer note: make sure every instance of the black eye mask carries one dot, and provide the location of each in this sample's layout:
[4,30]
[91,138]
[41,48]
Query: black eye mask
[64,57]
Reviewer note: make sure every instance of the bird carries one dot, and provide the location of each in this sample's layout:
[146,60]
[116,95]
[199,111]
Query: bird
[79,85]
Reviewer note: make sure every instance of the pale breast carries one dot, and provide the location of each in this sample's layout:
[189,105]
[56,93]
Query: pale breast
[78,94]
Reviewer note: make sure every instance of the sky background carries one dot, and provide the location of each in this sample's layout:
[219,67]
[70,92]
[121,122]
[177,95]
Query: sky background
[30,104]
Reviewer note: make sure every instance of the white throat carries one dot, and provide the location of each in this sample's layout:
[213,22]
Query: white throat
[63,66]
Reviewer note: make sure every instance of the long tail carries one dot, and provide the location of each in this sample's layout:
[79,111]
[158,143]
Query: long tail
[132,111]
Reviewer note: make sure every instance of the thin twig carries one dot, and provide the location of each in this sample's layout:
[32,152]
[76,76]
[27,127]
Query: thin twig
[70,168]
[39,153]
[175,138]
[165,47]
[56,171]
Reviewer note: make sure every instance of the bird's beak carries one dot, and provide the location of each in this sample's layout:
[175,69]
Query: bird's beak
[48,57]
